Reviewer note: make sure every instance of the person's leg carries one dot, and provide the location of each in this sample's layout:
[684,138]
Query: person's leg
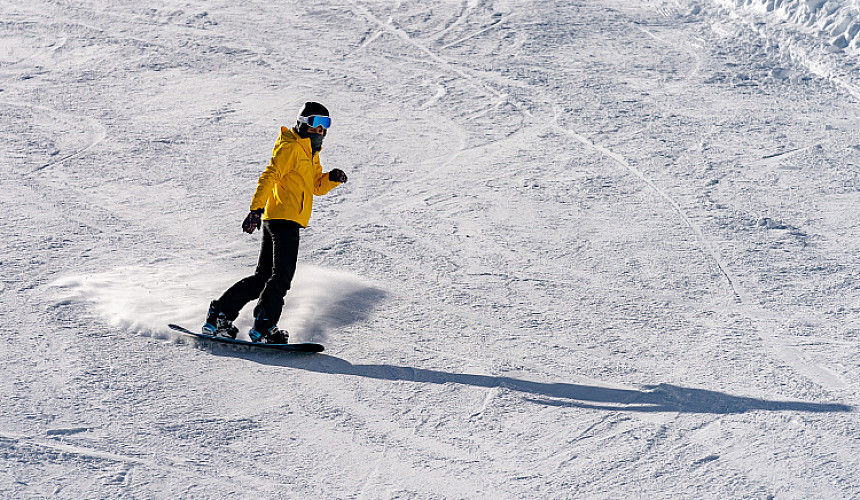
[285,245]
[248,289]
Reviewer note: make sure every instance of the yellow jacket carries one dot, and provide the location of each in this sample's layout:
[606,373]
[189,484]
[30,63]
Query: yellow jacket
[287,187]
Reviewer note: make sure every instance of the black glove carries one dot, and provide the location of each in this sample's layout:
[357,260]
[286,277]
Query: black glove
[252,222]
[337,175]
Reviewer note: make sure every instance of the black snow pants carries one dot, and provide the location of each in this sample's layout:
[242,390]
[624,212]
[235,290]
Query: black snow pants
[272,278]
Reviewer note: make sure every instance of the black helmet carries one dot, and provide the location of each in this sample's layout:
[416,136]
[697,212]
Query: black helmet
[313,109]
[310,109]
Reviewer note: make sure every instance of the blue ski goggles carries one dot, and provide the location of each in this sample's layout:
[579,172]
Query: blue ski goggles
[316,121]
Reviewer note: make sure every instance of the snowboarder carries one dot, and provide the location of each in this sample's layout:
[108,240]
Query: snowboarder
[282,206]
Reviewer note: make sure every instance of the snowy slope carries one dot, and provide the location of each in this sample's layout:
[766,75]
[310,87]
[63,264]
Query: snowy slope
[833,21]
[601,249]
[822,36]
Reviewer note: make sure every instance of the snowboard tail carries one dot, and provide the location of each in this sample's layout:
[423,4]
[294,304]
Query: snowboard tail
[302,347]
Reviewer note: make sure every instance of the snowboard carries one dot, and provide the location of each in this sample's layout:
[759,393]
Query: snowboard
[304,347]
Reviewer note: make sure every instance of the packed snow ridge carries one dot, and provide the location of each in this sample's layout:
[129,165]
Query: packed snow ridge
[835,20]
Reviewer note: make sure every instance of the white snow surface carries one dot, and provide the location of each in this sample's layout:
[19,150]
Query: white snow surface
[588,249]
[834,21]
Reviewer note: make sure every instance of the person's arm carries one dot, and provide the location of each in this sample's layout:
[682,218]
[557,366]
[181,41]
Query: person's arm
[326,181]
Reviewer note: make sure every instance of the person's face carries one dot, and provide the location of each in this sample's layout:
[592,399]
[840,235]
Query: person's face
[317,130]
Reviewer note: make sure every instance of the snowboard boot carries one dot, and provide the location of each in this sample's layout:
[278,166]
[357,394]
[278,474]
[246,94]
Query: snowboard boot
[273,335]
[217,323]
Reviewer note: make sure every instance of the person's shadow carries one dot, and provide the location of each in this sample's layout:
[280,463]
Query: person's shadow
[355,301]
[654,398]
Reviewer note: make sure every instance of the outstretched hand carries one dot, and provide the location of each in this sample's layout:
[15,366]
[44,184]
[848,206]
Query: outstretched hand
[252,222]
[337,175]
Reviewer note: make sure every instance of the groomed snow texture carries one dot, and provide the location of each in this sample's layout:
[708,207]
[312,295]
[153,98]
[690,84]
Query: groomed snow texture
[602,249]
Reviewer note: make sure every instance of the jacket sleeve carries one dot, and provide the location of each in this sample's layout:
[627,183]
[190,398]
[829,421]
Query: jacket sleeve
[278,167]
[322,185]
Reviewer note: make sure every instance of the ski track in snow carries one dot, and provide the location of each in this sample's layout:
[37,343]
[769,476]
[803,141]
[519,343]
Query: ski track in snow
[96,129]
[707,247]
[587,251]
[790,355]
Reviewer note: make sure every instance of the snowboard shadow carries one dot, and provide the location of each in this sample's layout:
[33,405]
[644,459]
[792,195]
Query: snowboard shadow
[649,399]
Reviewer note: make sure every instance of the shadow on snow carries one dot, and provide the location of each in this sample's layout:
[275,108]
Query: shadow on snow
[655,398]
[650,399]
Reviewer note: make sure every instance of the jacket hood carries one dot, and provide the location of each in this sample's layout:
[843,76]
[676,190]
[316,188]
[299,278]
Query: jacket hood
[290,135]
